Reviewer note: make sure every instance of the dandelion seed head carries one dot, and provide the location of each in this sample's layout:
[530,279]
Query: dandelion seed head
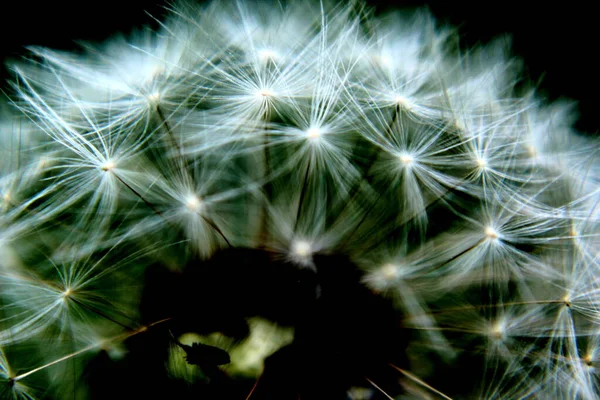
[566,300]
[574,232]
[322,135]
[491,233]
[460,125]
[154,98]
[386,276]
[302,249]
[383,60]
[108,165]
[265,93]
[66,294]
[390,272]
[265,55]
[497,330]
[314,133]
[43,162]
[403,102]
[481,163]
[406,159]
[194,204]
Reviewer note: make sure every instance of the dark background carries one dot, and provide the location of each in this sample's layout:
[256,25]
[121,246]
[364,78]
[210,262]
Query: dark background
[558,43]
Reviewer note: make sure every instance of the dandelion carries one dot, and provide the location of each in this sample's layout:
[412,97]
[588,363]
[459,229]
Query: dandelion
[294,200]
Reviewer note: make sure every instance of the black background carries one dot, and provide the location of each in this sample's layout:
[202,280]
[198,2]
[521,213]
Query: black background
[558,42]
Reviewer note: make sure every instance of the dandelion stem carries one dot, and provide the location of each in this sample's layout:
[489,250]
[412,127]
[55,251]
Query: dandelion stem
[209,221]
[363,219]
[102,314]
[216,228]
[170,135]
[174,143]
[122,336]
[501,305]
[419,381]
[253,389]
[302,195]
[427,206]
[267,188]
[378,388]
[135,192]
[372,156]
[36,213]
[456,256]
[368,179]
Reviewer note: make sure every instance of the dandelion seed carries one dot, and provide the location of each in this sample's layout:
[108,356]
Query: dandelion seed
[406,159]
[266,92]
[266,55]
[497,330]
[194,204]
[109,165]
[491,233]
[67,293]
[154,98]
[481,163]
[390,272]
[314,133]
[301,249]
[403,102]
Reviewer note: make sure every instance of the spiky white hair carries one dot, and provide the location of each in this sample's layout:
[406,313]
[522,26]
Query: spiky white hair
[303,128]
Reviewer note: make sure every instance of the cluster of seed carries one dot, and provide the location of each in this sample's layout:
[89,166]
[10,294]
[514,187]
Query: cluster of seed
[301,129]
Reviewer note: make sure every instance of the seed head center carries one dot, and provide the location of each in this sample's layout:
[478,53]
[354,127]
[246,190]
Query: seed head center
[491,233]
[109,165]
[302,248]
[406,159]
[313,133]
[194,204]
